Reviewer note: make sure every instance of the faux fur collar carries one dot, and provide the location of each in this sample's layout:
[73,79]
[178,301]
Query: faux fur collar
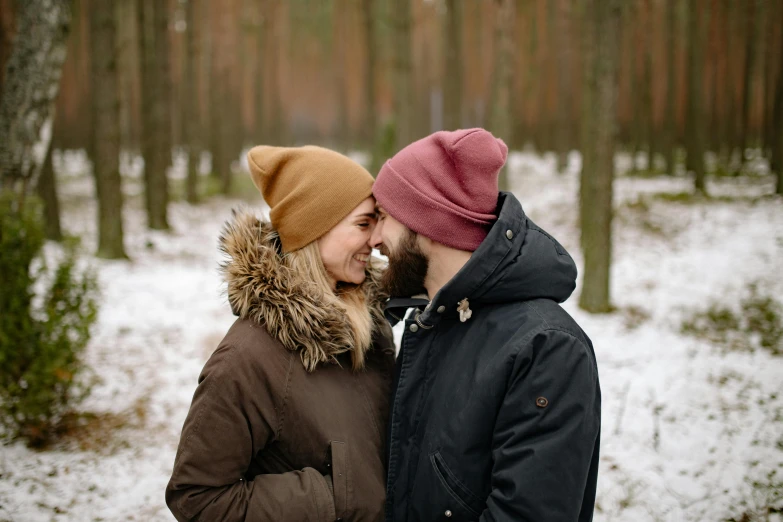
[262,288]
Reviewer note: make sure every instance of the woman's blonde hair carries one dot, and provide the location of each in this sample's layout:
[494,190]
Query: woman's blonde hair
[349,297]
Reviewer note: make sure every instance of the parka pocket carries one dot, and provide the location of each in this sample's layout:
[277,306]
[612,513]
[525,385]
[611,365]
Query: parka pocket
[464,498]
[340,478]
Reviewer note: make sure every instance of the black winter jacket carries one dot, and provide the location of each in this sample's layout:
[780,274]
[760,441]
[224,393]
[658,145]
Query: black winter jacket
[497,418]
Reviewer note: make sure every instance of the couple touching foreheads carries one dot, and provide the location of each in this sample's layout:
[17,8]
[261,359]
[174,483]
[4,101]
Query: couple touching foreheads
[491,410]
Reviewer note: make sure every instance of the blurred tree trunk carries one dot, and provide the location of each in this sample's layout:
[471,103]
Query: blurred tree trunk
[769,12]
[370,70]
[221,99]
[749,11]
[404,100]
[106,130]
[340,13]
[191,128]
[47,191]
[453,77]
[599,128]
[27,100]
[651,133]
[564,106]
[258,84]
[671,92]
[502,76]
[695,131]
[156,108]
[777,120]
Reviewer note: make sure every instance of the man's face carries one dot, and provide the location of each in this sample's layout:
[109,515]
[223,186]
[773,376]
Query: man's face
[408,265]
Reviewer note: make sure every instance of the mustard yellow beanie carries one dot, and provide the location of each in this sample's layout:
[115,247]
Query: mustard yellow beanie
[308,189]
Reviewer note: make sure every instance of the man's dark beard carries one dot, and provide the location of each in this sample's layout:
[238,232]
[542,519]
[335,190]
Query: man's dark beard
[407,268]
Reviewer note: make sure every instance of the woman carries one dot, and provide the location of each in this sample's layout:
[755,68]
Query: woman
[288,419]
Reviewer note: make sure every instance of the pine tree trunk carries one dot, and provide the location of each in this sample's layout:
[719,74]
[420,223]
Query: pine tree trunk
[371,48]
[695,110]
[750,54]
[563,25]
[258,84]
[500,116]
[452,80]
[651,131]
[777,121]
[404,100]
[47,191]
[30,85]
[106,130]
[156,109]
[671,125]
[192,128]
[602,31]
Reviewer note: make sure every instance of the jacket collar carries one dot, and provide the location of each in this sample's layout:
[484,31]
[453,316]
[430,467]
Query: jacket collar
[262,288]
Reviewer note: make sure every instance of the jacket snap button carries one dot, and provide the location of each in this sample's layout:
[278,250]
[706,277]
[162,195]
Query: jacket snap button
[542,402]
[441,309]
[448,513]
[414,328]
[509,234]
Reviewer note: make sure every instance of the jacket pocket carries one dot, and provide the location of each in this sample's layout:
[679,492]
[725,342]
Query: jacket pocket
[340,478]
[462,495]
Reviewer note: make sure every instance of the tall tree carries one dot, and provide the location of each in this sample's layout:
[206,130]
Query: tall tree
[192,119]
[370,70]
[564,106]
[156,108]
[502,76]
[671,92]
[106,130]
[453,77]
[599,128]
[695,135]
[404,100]
[777,120]
[749,13]
[30,85]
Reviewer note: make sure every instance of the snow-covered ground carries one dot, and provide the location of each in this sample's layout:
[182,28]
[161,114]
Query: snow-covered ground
[687,426]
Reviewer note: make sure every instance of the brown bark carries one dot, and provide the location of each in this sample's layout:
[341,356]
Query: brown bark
[452,80]
[599,129]
[106,129]
[671,138]
[192,126]
[747,78]
[695,123]
[156,108]
[404,100]
[500,116]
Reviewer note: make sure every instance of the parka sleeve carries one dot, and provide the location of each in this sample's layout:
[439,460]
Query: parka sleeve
[546,436]
[228,424]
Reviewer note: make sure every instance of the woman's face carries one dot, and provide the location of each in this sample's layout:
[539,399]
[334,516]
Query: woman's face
[345,249]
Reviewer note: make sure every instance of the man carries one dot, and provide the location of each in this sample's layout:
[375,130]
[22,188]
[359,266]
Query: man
[496,410]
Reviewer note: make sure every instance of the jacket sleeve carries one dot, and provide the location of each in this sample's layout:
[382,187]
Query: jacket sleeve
[228,424]
[546,433]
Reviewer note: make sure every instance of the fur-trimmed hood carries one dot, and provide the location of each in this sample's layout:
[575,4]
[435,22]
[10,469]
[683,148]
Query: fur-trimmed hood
[263,288]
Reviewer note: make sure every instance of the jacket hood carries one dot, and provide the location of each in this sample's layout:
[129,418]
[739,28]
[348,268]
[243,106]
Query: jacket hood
[518,261]
[264,289]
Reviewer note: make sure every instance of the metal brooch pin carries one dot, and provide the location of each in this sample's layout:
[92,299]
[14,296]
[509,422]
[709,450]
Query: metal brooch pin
[464,310]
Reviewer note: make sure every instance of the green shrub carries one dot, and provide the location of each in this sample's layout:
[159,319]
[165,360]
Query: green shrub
[45,321]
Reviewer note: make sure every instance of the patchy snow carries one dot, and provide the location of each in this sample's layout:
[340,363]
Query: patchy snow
[687,427]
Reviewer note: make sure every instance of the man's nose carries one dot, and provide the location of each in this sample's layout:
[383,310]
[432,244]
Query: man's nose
[375,239]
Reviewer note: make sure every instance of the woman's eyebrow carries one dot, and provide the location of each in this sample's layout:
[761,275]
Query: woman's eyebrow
[371,215]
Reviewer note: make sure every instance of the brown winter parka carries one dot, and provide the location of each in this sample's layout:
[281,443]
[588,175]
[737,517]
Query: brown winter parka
[281,428]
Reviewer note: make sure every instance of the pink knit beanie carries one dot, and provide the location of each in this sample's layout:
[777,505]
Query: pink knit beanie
[445,186]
